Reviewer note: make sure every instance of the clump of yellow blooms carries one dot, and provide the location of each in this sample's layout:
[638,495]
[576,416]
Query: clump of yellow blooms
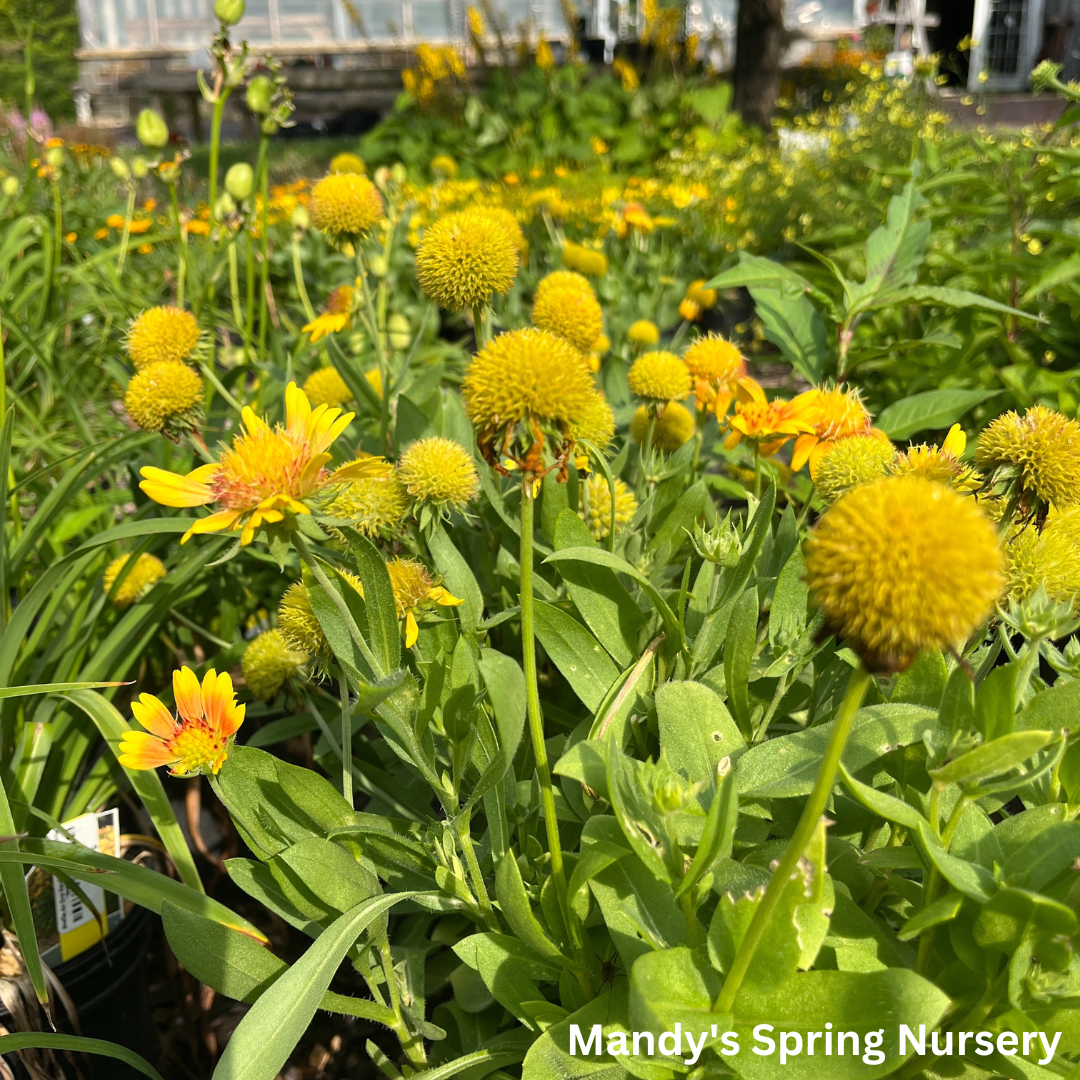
[372,505]
[902,565]
[268,663]
[643,333]
[674,426]
[345,207]
[348,163]
[851,462]
[165,397]
[596,508]
[465,259]
[566,305]
[659,376]
[439,471]
[584,260]
[1038,452]
[162,333]
[325,386]
[140,579]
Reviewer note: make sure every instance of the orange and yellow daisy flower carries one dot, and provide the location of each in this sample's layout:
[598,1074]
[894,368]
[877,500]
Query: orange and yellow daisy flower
[266,474]
[197,738]
[832,414]
[770,424]
[336,317]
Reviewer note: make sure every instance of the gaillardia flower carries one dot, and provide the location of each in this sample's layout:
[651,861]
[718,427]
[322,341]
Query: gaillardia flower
[1038,452]
[596,506]
[643,333]
[770,424]
[439,471]
[525,388]
[851,462]
[584,260]
[266,474]
[466,258]
[162,333]
[716,366]
[374,504]
[345,206]
[829,415]
[659,376]
[140,579]
[1050,558]
[413,588]
[165,397]
[940,463]
[197,739]
[268,662]
[336,317]
[566,306]
[674,426]
[325,386]
[902,565]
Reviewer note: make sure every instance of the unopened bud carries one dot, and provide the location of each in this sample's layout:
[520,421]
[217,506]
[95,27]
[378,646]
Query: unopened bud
[400,331]
[240,181]
[300,219]
[398,173]
[10,186]
[139,168]
[228,12]
[120,168]
[379,266]
[260,91]
[54,156]
[151,129]
[224,206]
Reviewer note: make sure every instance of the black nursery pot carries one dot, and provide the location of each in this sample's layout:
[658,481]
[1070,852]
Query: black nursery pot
[111,993]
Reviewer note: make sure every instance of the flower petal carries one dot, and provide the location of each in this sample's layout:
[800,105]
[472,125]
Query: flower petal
[153,716]
[412,631]
[171,489]
[955,442]
[141,750]
[801,453]
[188,694]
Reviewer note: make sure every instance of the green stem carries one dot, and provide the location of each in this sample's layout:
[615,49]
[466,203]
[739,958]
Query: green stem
[346,743]
[411,1044]
[182,252]
[215,149]
[129,214]
[264,253]
[804,831]
[479,327]
[249,298]
[298,273]
[488,912]
[234,291]
[757,471]
[536,719]
[375,331]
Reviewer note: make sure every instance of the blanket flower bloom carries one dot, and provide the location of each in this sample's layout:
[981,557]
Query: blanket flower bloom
[197,739]
[336,317]
[566,305]
[162,333]
[715,365]
[770,424]
[831,415]
[266,474]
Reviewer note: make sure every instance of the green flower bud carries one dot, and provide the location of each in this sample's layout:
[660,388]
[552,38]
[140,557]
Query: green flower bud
[240,181]
[400,331]
[10,186]
[224,206]
[54,156]
[398,173]
[228,12]
[139,168]
[259,93]
[379,266]
[120,168]
[151,129]
[300,219]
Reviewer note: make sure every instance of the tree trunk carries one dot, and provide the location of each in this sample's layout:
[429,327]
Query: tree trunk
[758,41]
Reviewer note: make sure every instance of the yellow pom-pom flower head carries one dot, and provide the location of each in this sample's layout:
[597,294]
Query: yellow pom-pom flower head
[1036,455]
[643,334]
[659,377]
[851,462]
[1049,558]
[596,506]
[267,475]
[565,305]
[197,739]
[526,393]
[443,166]
[345,207]
[584,260]
[902,565]
[164,333]
[268,664]
[348,163]
[440,472]
[325,386]
[672,427]
[165,397]
[137,581]
[300,629]
[716,366]
[373,505]
[465,259]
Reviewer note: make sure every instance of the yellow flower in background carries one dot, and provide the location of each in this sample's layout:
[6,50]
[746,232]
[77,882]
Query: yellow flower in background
[348,163]
[596,506]
[373,505]
[165,397]
[831,414]
[688,310]
[851,462]
[643,333]
[545,58]
[1039,452]
[336,317]
[344,207]
[439,471]
[703,297]
[716,366]
[659,376]
[300,629]
[197,739]
[1050,558]
[635,216]
[266,474]
[566,305]
[626,73]
[940,463]
[162,333]
[443,165]
[325,386]
[413,587]
[673,427]
[770,424]
[902,565]
[465,259]
[268,664]
[140,579]
[584,260]
[595,424]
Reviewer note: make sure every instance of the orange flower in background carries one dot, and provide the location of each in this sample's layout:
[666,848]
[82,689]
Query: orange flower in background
[635,216]
[197,738]
[336,317]
[115,221]
[770,424]
[831,414]
[266,474]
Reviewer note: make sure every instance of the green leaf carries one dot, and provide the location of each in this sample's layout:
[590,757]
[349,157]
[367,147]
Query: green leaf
[719,833]
[457,576]
[696,731]
[1042,859]
[677,524]
[1051,709]
[515,907]
[1014,915]
[675,986]
[928,411]
[975,882]
[505,684]
[793,325]
[739,648]
[995,701]
[383,632]
[76,1044]
[277,1021]
[321,879]
[757,271]
[576,653]
[146,783]
[942,910]
[946,297]
[510,970]
[993,758]
[787,615]
[586,762]
[885,806]
[957,709]
[924,681]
